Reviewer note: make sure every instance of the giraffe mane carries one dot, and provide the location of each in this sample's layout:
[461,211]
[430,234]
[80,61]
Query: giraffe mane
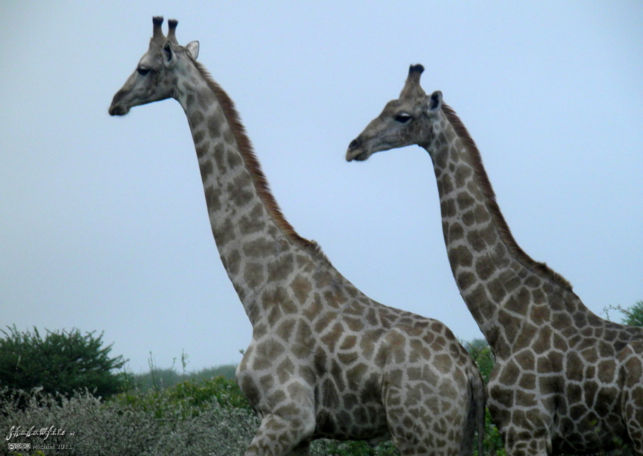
[504,231]
[252,163]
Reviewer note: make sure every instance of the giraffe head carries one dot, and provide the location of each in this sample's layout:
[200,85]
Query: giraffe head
[155,77]
[408,120]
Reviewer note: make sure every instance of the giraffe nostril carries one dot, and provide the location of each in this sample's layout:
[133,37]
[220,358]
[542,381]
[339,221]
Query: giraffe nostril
[355,143]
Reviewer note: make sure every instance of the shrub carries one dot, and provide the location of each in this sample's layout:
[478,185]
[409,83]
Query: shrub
[94,427]
[186,398]
[633,315]
[61,362]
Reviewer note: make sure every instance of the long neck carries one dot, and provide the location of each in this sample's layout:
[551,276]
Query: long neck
[254,240]
[500,284]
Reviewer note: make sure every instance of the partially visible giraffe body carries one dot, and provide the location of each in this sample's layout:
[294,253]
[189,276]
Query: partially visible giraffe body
[565,380]
[324,360]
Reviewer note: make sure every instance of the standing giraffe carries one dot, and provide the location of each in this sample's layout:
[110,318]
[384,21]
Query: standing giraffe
[324,360]
[564,380]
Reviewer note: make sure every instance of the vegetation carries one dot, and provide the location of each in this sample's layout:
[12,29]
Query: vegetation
[161,413]
[633,315]
[61,363]
[161,378]
[481,353]
[191,418]
[137,424]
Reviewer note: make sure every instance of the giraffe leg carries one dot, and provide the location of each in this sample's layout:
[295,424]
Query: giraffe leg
[278,436]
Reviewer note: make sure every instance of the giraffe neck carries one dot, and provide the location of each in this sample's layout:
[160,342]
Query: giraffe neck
[253,238]
[501,285]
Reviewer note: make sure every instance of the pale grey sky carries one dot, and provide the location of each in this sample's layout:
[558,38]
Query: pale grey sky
[103,223]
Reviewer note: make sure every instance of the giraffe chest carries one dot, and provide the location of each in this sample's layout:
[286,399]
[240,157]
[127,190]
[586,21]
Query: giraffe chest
[575,393]
[317,370]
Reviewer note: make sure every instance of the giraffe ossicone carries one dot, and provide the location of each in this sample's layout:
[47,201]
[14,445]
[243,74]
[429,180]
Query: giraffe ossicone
[565,380]
[324,360]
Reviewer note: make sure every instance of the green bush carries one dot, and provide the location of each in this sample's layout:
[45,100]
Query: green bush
[633,315]
[61,362]
[187,398]
[226,392]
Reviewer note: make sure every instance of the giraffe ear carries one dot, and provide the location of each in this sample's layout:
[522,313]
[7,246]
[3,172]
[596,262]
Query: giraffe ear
[435,101]
[193,49]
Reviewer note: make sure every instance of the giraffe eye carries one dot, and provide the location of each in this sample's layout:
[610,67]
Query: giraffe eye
[402,117]
[143,71]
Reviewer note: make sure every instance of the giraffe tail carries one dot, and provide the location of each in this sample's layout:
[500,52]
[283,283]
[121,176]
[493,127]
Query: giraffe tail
[476,416]
[481,405]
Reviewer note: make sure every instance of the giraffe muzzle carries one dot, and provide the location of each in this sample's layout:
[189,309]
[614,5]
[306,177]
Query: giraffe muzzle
[117,111]
[355,151]
[116,108]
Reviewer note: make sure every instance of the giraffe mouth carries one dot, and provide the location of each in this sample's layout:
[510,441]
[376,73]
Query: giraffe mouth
[356,156]
[116,110]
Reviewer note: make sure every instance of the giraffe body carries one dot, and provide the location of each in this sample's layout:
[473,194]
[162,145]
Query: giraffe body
[565,380]
[324,359]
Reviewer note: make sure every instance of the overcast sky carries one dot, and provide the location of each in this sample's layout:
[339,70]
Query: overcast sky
[103,225]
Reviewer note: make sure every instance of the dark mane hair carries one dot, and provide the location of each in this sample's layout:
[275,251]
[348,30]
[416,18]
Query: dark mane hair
[493,207]
[250,159]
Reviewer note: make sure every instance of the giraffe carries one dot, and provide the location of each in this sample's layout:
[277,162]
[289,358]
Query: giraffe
[324,360]
[565,380]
